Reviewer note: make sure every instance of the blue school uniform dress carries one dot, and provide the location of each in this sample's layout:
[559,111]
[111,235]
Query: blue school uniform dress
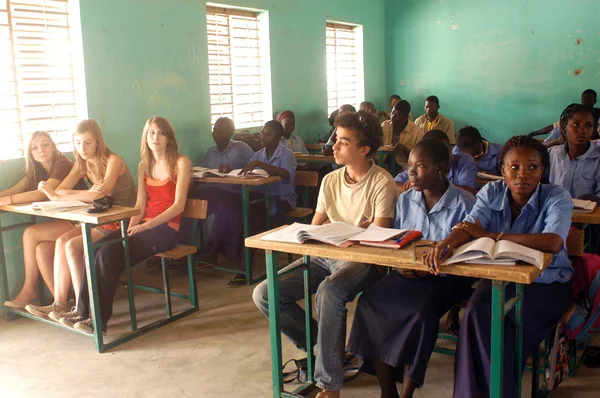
[548,211]
[488,163]
[295,143]
[396,321]
[579,176]
[463,172]
[227,227]
[555,134]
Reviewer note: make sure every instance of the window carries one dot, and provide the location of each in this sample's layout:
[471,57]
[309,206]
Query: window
[238,66]
[37,76]
[345,81]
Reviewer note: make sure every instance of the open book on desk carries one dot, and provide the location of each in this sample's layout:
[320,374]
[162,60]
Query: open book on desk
[56,206]
[488,251]
[339,234]
[583,206]
[201,172]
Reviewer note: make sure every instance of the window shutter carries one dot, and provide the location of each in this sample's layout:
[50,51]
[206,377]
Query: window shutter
[342,68]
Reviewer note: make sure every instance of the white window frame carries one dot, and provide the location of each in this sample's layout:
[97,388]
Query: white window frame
[47,88]
[336,67]
[228,83]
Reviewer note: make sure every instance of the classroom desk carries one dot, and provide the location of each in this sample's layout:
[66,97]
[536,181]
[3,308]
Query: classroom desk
[87,222]
[587,218]
[318,159]
[247,185]
[408,258]
[315,150]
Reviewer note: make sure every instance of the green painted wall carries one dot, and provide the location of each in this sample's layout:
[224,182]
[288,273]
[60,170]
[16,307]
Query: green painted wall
[506,67]
[145,58]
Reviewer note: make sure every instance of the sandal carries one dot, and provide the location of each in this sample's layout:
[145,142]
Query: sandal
[351,367]
[237,281]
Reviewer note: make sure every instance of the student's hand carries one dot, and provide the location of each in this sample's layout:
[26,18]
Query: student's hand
[407,185]
[47,190]
[132,230]
[100,187]
[475,230]
[224,168]
[249,167]
[365,222]
[433,258]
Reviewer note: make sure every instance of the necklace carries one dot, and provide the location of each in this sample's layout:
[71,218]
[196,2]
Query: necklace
[350,179]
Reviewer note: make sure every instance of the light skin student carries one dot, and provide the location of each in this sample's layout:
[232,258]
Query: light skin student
[43,162]
[96,162]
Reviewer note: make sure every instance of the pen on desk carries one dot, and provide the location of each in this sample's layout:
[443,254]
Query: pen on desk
[401,237]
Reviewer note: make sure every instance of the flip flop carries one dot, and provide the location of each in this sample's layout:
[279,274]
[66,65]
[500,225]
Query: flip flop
[236,281]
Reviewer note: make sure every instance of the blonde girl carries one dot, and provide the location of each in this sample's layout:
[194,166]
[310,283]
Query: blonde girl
[163,182]
[43,162]
[106,173]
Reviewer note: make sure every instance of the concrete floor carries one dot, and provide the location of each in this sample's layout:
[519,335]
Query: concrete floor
[222,351]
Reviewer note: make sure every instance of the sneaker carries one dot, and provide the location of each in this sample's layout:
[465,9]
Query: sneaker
[56,315]
[86,326]
[43,310]
[70,321]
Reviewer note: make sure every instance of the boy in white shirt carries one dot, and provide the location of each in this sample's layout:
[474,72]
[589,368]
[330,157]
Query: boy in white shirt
[358,193]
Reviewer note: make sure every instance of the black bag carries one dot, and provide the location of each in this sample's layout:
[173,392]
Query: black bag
[102,204]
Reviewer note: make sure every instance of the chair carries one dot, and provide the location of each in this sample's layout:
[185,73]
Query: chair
[304,179]
[196,210]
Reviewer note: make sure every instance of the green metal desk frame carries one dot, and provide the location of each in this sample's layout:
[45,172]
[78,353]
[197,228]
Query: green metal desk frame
[500,307]
[89,251]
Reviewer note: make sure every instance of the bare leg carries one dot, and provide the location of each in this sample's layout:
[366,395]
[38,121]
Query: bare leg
[32,237]
[62,275]
[386,379]
[44,255]
[408,385]
[76,259]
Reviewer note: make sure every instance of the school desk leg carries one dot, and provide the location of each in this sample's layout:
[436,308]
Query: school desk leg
[125,241]
[3,276]
[308,319]
[246,225]
[519,330]
[274,329]
[90,269]
[497,354]
[267,207]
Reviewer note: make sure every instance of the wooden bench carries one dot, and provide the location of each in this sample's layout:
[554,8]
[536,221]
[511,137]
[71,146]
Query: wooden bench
[196,210]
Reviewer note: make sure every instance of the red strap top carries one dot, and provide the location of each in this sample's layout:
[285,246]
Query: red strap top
[160,196]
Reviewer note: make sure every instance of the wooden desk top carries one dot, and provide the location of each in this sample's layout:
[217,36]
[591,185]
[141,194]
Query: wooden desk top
[383,148]
[587,218]
[304,158]
[402,258]
[314,146]
[116,213]
[239,181]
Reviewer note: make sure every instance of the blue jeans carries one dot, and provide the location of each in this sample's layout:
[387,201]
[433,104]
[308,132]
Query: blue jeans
[336,283]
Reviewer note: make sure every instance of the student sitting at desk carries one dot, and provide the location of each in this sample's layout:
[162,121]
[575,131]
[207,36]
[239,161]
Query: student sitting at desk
[226,237]
[357,193]
[401,132]
[289,139]
[462,171]
[43,162]
[396,322]
[522,210]
[107,173]
[432,119]
[163,181]
[484,153]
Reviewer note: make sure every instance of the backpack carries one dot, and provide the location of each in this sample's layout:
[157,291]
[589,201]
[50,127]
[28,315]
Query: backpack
[585,322]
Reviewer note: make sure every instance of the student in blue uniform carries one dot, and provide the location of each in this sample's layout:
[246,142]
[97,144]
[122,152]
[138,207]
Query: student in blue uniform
[396,322]
[522,210]
[575,165]
[462,172]
[484,153]
[227,234]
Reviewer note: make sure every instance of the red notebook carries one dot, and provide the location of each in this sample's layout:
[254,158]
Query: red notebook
[404,240]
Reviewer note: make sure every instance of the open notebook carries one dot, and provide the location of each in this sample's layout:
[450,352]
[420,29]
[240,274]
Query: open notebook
[339,234]
[55,206]
[201,172]
[583,206]
[504,252]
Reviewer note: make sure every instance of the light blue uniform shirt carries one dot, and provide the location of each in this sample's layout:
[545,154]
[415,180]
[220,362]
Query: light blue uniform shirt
[579,176]
[488,162]
[297,144]
[463,171]
[284,158]
[236,155]
[435,224]
[554,134]
[548,210]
